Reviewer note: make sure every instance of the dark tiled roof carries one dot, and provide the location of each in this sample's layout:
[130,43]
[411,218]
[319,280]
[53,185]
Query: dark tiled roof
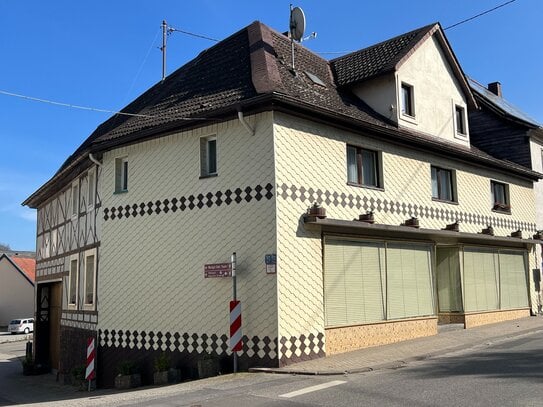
[502,105]
[246,68]
[377,59]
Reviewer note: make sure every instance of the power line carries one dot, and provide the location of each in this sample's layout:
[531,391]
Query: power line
[480,14]
[446,28]
[172,29]
[94,109]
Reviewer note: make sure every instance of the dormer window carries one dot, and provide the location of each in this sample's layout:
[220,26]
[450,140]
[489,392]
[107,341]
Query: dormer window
[407,100]
[460,120]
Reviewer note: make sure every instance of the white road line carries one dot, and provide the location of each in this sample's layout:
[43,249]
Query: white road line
[312,389]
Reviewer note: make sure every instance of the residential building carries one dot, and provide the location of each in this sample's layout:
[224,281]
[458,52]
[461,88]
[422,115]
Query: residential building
[506,132]
[230,153]
[17,274]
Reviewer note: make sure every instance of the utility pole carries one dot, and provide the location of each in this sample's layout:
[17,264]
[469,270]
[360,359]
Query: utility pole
[163,48]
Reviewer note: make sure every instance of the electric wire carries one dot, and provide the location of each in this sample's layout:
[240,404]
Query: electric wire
[480,14]
[138,72]
[172,29]
[446,28]
[94,109]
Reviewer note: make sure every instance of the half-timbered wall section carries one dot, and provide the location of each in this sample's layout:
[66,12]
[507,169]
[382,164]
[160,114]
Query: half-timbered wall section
[68,240]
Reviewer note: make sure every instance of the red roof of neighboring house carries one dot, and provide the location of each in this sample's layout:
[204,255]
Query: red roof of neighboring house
[27,266]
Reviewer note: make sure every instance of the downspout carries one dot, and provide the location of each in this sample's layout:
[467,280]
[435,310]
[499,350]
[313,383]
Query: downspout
[94,160]
[244,123]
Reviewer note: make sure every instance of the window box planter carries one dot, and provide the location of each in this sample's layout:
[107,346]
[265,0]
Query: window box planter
[500,207]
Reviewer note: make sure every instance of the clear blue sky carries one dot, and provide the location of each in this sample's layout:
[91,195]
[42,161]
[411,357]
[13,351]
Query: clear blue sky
[94,54]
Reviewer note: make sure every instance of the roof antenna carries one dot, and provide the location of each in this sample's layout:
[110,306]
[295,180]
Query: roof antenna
[296,28]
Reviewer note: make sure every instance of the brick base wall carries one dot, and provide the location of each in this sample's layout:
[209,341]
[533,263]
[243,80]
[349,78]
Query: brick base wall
[344,339]
[73,349]
[478,319]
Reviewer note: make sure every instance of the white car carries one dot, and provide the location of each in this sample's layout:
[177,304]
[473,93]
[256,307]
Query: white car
[22,325]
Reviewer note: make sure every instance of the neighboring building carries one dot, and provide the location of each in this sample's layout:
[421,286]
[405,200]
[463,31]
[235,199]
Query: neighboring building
[17,275]
[228,153]
[503,130]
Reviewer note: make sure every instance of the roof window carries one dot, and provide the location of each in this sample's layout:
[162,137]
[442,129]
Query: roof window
[315,79]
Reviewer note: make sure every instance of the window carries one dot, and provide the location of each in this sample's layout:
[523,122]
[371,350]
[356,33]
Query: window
[90,279]
[73,280]
[208,156]
[121,174]
[460,120]
[407,102]
[92,189]
[500,197]
[363,167]
[75,199]
[443,184]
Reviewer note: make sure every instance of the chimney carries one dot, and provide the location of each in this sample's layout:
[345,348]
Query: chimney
[495,88]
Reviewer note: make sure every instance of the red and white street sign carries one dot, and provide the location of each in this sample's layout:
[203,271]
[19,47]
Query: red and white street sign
[91,356]
[235,326]
[218,270]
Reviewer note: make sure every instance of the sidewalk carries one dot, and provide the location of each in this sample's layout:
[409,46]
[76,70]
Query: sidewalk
[398,354]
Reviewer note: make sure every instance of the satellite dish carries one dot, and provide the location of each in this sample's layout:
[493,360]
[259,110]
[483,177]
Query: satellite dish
[297,23]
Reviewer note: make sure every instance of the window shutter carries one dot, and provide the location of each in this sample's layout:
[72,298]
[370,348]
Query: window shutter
[480,279]
[513,283]
[409,280]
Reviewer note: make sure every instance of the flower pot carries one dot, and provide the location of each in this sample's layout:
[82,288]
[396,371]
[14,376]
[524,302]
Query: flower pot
[208,368]
[160,378]
[174,375]
[128,381]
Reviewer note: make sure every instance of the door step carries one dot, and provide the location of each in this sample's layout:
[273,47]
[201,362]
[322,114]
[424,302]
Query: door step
[449,327]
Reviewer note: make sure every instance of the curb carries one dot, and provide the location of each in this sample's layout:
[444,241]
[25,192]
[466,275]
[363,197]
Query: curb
[15,338]
[397,363]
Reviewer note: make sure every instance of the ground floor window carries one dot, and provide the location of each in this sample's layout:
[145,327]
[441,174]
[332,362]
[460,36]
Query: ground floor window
[366,281]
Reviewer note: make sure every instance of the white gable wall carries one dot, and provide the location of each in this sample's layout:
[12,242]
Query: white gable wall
[16,294]
[380,94]
[436,91]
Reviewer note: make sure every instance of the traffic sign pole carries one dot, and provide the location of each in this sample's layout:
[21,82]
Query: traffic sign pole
[234,295]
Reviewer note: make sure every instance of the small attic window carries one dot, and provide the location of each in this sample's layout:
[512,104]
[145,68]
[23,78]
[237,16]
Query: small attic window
[315,79]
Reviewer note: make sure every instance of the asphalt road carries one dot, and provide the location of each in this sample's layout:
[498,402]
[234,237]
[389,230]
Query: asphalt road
[503,374]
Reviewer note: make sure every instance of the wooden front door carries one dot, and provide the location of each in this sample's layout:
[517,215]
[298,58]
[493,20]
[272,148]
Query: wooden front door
[47,325]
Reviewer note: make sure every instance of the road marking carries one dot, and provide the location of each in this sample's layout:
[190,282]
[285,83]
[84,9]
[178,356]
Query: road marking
[312,389]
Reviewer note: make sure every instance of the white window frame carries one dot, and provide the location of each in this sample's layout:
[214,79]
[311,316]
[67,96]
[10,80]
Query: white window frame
[121,174]
[204,157]
[91,191]
[75,200]
[86,255]
[71,305]
[407,116]
[458,134]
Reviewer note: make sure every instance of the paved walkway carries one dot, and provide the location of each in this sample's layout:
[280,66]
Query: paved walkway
[398,354]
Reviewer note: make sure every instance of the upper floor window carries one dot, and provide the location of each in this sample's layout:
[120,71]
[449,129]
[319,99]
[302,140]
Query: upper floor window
[500,197]
[460,120]
[407,102]
[443,184]
[121,174]
[90,279]
[92,188]
[208,156]
[73,282]
[75,199]
[363,167]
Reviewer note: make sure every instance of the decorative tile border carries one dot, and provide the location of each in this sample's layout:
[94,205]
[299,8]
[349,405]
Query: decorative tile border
[305,347]
[328,198]
[260,347]
[190,202]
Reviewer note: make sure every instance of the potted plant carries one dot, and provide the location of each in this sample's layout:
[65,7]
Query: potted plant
[127,376]
[208,366]
[28,366]
[501,207]
[162,364]
[316,211]
[78,377]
